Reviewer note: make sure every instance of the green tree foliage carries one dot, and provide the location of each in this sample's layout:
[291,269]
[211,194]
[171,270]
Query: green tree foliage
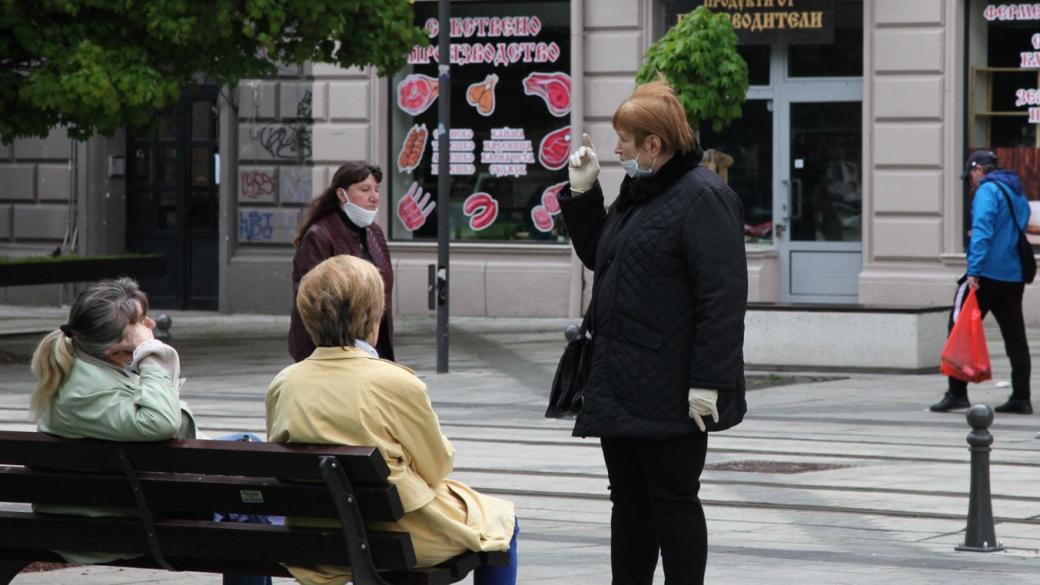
[97,65]
[699,58]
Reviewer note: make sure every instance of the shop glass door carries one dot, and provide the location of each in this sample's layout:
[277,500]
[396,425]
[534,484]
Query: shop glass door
[818,222]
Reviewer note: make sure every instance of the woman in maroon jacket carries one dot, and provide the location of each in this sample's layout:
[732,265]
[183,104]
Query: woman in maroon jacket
[341,221]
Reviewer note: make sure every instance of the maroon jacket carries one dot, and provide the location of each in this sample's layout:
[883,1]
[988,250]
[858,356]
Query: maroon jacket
[327,237]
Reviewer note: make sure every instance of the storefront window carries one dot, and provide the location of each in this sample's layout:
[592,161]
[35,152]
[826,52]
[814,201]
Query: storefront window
[743,156]
[843,58]
[1004,86]
[510,118]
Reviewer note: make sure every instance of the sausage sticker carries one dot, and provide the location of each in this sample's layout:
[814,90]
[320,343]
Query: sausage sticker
[413,148]
[481,209]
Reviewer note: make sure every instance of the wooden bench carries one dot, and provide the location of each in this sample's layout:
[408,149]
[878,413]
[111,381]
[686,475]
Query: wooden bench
[165,485]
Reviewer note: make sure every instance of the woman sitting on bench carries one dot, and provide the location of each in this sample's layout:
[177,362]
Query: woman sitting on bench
[344,394]
[104,376]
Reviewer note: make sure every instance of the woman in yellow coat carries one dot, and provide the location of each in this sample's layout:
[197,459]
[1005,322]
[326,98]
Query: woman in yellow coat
[344,394]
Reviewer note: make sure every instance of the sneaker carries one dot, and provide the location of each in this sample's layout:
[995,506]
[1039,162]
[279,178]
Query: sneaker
[950,402]
[1016,406]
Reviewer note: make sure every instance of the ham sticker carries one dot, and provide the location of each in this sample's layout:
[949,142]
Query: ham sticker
[555,148]
[416,93]
[481,209]
[553,88]
[481,95]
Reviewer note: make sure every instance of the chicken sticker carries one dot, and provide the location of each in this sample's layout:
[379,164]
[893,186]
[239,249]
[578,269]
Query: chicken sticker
[416,93]
[553,88]
[481,209]
[542,215]
[481,95]
[555,148]
[414,207]
[413,149]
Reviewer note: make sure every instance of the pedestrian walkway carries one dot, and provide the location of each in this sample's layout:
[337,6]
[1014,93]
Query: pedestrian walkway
[839,482]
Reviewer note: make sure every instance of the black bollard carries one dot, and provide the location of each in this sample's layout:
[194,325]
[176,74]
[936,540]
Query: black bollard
[162,328]
[980,535]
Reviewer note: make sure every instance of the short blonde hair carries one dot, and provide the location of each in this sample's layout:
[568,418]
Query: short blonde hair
[653,110]
[340,301]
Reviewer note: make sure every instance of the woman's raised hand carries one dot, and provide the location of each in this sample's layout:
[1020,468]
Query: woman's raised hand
[136,334]
[583,166]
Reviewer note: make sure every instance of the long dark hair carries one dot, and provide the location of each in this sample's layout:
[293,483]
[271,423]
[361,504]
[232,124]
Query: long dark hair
[349,173]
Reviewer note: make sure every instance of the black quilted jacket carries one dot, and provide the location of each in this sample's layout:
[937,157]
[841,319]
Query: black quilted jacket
[669,300]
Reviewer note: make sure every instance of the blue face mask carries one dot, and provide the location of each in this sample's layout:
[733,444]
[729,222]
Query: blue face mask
[632,169]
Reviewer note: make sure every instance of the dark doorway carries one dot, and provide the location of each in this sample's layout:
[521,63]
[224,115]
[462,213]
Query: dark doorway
[172,194]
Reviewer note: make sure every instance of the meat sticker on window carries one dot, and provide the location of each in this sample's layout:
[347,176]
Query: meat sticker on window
[481,209]
[416,93]
[413,149]
[414,208]
[555,148]
[481,95]
[554,88]
[542,216]
[508,142]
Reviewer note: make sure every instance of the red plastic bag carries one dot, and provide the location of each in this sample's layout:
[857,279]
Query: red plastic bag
[965,355]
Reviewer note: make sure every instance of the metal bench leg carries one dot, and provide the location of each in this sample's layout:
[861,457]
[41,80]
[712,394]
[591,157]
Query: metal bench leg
[9,569]
[361,564]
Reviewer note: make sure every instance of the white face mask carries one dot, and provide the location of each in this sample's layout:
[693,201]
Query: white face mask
[359,215]
[632,169]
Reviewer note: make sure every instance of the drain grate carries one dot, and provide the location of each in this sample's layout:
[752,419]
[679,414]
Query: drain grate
[773,466]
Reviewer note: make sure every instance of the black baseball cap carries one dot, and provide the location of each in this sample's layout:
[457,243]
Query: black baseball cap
[979,158]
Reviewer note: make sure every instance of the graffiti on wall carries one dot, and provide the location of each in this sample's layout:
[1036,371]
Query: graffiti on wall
[291,141]
[256,185]
[284,141]
[274,226]
[255,226]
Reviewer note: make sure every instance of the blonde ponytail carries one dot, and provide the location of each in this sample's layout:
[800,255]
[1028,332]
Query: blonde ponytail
[51,362]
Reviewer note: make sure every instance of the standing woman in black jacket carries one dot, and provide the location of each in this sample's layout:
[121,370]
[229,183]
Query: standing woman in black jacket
[667,330]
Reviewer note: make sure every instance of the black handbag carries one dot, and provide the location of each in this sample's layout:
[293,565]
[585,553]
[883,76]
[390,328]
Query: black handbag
[1025,249]
[571,374]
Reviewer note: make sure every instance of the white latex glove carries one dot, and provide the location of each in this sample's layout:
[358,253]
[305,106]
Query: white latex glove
[160,354]
[702,403]
[583,166]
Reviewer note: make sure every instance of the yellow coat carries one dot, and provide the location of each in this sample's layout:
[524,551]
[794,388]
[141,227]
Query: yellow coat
[343,396]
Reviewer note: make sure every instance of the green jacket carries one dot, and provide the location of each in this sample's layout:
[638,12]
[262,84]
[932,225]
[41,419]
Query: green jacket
[101,401]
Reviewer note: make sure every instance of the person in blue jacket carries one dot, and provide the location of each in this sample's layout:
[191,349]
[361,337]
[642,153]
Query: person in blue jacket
[995,274]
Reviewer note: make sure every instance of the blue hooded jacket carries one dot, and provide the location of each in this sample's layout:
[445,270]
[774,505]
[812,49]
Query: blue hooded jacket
[993,252]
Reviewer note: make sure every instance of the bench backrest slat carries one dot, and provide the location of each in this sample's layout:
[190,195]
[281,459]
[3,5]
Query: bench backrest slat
[200,539]
[293,462]
[192,493]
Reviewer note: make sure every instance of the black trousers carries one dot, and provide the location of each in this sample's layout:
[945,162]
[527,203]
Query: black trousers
[1004,300]
[654,485]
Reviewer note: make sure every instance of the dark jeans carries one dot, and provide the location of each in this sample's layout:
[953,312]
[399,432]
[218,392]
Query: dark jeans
[1004,300]
[654,485]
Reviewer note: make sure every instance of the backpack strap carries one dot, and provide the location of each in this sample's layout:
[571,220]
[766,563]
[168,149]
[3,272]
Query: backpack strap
[1007,197]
